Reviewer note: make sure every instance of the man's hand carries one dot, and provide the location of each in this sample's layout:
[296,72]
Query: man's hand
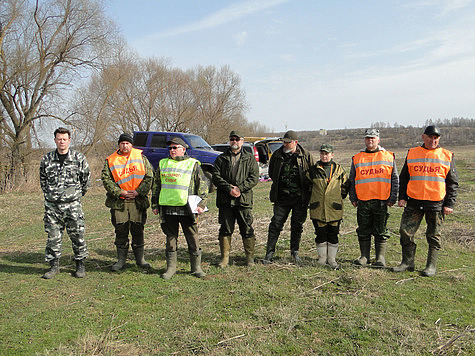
[155,211]
[235,192]
[199,210]
[355,203]
[401,203]
[447,211]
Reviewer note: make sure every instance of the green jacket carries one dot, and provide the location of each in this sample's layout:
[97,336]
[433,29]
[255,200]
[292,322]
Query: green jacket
[246,178]
[326,199]
[113,190]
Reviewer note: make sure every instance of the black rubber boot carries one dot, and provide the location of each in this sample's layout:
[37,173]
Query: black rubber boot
[295,256]
[139,259]
[270,249]
[54,269]
[407,263]
[380,248]
[431,266]
[121,259]
[365,247]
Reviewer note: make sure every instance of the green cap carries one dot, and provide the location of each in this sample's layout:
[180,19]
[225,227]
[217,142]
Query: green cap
[326,147]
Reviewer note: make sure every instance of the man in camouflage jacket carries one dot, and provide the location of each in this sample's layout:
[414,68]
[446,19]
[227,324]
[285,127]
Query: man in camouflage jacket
[64,179]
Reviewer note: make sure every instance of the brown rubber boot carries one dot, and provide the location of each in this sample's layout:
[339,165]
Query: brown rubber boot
[249,244]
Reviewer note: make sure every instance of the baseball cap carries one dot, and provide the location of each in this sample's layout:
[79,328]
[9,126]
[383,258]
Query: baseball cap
[371,133]
[432,130]
[290,136]
[326,147]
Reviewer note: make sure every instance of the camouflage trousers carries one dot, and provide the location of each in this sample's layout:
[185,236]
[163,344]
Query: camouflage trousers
[59,216]
[411,220]
[372,216]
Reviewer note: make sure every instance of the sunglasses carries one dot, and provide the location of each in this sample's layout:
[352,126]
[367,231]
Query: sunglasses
[173,147]
[236,139]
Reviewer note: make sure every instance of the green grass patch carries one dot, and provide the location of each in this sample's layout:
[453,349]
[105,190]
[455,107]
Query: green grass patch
[276,309]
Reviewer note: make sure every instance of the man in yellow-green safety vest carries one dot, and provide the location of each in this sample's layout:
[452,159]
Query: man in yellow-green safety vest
[179,180]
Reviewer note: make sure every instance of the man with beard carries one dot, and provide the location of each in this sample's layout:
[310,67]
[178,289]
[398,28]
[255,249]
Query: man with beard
[235,173]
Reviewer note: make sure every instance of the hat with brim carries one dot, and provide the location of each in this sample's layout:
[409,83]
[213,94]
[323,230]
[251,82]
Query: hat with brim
[177,141]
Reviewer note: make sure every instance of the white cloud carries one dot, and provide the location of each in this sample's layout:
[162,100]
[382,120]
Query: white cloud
[221,17]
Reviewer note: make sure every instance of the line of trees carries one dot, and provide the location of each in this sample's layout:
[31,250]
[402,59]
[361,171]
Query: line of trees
[64,62]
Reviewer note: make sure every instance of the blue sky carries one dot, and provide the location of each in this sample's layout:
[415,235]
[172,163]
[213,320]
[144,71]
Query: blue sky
[312,64]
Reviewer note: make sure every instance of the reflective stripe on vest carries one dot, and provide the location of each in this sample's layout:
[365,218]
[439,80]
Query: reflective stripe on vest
[127,171]
[373,175]
[428,170]
[175,177]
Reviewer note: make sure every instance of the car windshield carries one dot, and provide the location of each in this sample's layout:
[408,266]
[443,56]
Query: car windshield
[274,145]
[198,142]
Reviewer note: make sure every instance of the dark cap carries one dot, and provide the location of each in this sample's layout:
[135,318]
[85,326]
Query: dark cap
[432,130]
[177,141]
[235,133]
[371,133]
[126,137]
[326,147]
[290,136]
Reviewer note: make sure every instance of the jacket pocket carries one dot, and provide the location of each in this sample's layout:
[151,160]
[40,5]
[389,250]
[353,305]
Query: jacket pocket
[314,205]
[337,206]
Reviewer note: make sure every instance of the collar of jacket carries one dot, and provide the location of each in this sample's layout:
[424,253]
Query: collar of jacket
[180,158]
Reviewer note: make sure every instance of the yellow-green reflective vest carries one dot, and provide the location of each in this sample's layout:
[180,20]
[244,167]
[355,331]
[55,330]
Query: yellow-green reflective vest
[175,177]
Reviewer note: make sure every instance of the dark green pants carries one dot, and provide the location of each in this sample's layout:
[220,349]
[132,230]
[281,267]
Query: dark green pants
[228,217]
[372,216]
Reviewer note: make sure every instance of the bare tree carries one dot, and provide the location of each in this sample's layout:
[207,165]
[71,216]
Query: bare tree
[44,47]
[220,101]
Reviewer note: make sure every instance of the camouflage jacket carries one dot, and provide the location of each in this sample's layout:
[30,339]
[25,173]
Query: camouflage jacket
[113,190]
[67,182]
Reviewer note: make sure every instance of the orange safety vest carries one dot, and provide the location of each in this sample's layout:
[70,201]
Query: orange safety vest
[427,170]
[128,172]
[373,175]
